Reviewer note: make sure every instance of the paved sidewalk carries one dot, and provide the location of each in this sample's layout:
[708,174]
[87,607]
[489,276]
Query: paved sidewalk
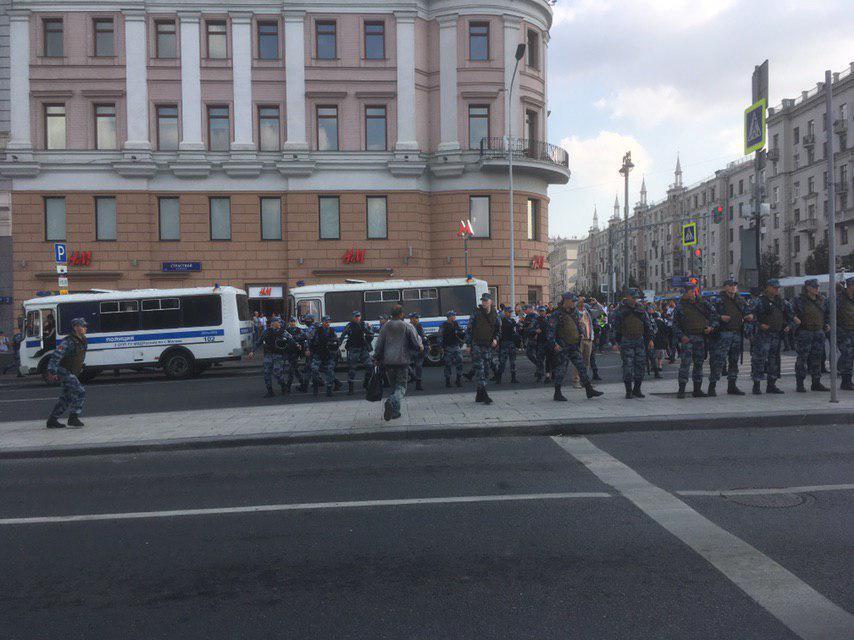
[523,412]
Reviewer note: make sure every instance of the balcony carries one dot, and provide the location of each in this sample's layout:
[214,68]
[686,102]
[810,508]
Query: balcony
[774,154]
[808,140]
[529,156]
[840,126]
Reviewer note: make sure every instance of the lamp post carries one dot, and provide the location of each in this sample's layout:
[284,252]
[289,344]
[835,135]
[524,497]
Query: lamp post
[624,171]
[520,52]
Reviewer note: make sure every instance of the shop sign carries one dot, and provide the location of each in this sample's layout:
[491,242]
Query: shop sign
[266,292]
[538,262]
[80,258]
[353,256]
[180,267]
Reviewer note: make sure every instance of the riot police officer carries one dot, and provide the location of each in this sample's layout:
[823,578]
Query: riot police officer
[482,337]
[813,319]
[774,317]
[508,341]
[845,333]
[564,338]
[416,365]
[358,336]
[274,341]
[693,322]
[537,332]
[310,328]
[727,342]
[295,349]
[65,365]
[323,349]
[451,337]
[632,332]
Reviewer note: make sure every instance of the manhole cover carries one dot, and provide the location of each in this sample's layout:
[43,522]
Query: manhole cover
[768,500]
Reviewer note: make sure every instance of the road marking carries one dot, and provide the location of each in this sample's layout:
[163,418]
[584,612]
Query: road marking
[785,596]
[770,490]
[30,399]
[303,507]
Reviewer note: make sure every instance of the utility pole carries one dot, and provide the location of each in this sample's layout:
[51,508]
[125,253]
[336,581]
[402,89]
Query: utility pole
[831,230]
[624,171]
[760,91]
[520,52]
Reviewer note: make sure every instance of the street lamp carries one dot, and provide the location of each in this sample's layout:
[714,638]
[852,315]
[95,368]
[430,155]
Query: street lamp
[624,171]
[520,52]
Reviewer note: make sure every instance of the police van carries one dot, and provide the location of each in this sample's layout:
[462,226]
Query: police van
[182,331]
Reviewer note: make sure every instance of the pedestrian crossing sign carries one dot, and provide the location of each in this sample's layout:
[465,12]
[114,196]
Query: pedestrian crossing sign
[689,234]
[754,126]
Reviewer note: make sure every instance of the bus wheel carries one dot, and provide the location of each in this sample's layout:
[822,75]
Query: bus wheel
[178,365]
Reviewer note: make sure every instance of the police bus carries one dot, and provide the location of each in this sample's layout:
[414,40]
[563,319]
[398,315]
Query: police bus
[182,331]
[431,299]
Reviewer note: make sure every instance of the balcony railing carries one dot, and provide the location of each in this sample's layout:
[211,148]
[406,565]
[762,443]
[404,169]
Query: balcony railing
[525,148]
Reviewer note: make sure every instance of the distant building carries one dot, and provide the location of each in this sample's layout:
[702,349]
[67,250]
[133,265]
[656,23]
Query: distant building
[7,311]
[563,266]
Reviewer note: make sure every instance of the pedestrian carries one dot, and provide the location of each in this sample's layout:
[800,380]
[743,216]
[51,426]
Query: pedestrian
[661,341]
[295,349]
[416,365]
[482,336]
[693,322]
[274,341]
[4,342]
[812,316]
[845,333]
[308,332]
[451,338]
[17,342]
[774,318]
[727,343]
[509,340]
[65,365]
[323,349]
[632,333]
[586,324]
[564,337]
[395,343]
[538,337]
[358,336]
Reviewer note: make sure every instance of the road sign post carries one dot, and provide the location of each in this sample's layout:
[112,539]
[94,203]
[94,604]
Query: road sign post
[60,255]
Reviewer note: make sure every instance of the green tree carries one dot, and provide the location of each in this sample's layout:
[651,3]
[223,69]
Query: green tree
[817,261]
[770,267]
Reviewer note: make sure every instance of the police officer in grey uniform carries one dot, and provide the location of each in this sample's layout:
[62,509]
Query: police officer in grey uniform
[845,334]
[65,365]
[693,322]
[564,336]
[482,336]
[632,331]
[508,342]
[812,315]
[451,337]
[416,365]
[274,341]
[358,335]
[773,317]
[727,343]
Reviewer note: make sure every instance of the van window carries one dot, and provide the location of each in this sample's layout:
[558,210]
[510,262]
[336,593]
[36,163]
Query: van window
[34,324]
[460,298]
[88,310]
[340,305]
[119,315]
[242,307]
[160,313]
[201,311]
[305,307]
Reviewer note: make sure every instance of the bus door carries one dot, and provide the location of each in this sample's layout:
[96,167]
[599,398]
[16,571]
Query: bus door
[39,333]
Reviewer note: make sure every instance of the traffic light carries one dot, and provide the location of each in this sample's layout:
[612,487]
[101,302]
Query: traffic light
[698,252]
[717,214]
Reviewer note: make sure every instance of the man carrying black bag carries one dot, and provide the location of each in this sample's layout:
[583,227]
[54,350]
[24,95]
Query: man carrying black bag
[395,343]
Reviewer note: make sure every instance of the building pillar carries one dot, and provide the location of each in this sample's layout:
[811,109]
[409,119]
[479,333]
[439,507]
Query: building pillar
[191,84]
[136,81]
[406,136]
[241,55]
[19,81]
[295,80]
[448,84]
[512,25]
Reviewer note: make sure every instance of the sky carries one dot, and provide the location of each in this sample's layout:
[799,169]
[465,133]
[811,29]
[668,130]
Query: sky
[657,77]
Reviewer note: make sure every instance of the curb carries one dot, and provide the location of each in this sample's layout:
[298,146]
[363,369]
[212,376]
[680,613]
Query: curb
[510,429]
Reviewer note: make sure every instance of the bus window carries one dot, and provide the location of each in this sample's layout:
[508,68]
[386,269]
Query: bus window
[34,324]
[424,302]
[304,307]
[460,298]
[201,311]
[67,311]
[119,315]
[380,302]
[242,307]
[160,314]
[340,305]
[49,330]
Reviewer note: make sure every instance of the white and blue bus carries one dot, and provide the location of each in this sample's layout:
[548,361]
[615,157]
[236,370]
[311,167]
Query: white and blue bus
[182,331]
[431,299]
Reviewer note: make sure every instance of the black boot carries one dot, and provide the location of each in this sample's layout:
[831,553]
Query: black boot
[559,397]
[712,392]
[591,392]
[286,390]
[269,393]
[846,383]
[303,387]
[658,375]
[636,392]
[629,393]
[733,390]
[479,395]
[74,420]
[497,378]
[513,379]
[486,398]
[315,389]
[469,375]
[817,385]
[53,423]
[337,384]
[597,377]
[799,386]
[772,388]
[418,386]
[698,390]
[757,388]
[349,388]
[328,391]
[459,382]
[538,377]
[447,382]
[681,393]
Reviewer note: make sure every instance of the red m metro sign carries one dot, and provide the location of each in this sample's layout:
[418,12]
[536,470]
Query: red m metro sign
[353,256]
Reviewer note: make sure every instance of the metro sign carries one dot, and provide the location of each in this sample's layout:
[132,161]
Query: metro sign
[353,256]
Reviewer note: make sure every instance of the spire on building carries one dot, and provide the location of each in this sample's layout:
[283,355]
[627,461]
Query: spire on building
[643,191]
[595,224]
[678,173]
[616,206]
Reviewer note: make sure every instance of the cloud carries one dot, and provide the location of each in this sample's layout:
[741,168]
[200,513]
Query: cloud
[647,106]
[564,13]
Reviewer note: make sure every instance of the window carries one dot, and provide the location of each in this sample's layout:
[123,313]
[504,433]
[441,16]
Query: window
[167,128]
[478,41]
[271,218]
[374,40]
[532,132]
[305,307]
[104,41]
[731,191]
[220,218]
[377,212]
[105,126]
[478,125]
[479,215]
[329,219]
[796,189]
[811,241]
[53,38]
[105,218]
[326,45]
[201,311]
[740,187]
[776,220]
[162,313]
[375,129]
[797,268]
[219,128]
[533,219]
[796,214]
[268,40]
[121,315]
[776,197]
[54,117]
[166,41]
[795,161]
[90,310]
[796,135]
[327,128]
[217,40]
[170,219]
[54,218]
[533,49]
[797,244]
[843,111]
[811,184]
[776,246]
[269,138]
[843,234]
[341,304]
[811,128]
[460,298]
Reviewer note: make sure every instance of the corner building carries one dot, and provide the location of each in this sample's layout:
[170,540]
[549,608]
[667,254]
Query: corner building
[269,143]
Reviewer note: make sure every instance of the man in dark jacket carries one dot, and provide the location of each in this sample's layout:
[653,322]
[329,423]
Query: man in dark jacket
[813,319]
[564,336]
[845,333]
[508,342]
[726,343]
[482,336]
[416,365]
[774,318]
[632,333]
[451,338]
[358,335]
[292,356]
[396,342]
[323,349]
[274,340]
[66,365]
[693,322]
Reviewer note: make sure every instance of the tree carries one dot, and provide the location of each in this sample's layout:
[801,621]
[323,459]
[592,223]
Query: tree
[816,263]
[770,267]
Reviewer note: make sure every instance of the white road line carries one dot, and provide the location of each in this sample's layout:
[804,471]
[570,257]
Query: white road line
[770,490]
[302,507]
[785,596]
[31,399]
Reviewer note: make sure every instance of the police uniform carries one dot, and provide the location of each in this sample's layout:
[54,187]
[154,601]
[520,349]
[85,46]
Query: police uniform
[416,363]
[632,330]
[692,318]
[508,342]
[776,313]
[274,340]
[537,327]
[310,328]
[482,330]
[814,316]
[727,343]
[450,338]
[564,337]
[66,363]
[324,349]
[845,334]
[358,335]
[292,356]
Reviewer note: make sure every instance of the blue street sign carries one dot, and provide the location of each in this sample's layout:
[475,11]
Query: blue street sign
[180,266]
[60,253]
[754,127]
[5,299]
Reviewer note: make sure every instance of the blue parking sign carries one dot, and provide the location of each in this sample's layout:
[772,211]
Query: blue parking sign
[60,252]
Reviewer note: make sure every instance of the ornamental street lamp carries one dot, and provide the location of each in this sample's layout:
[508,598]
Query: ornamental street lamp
[520,52]
[624,171]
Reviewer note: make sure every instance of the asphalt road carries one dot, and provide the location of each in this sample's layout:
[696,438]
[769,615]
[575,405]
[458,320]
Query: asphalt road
[474,545]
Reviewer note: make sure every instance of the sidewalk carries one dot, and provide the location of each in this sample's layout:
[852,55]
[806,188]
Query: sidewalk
[523,412]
